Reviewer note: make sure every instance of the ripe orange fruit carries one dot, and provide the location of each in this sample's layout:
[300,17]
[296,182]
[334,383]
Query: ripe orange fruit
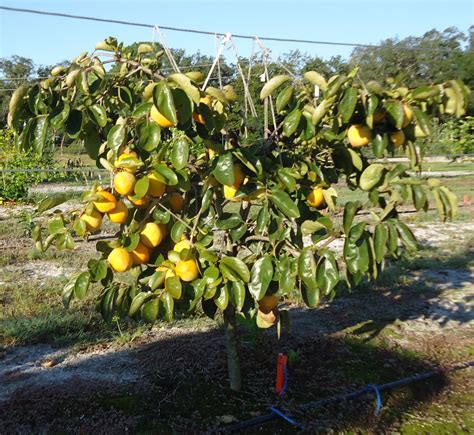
[266,320]
[119,214]
[197,116]
[183,244]
[268,303]
[359,135]
[187,270]
[156,187]
[124,182]
[407,115]
[141,254]
[160,119]
[139,202]
[239,175]
[169,272]
[176,202]
[120,259]
[126,155]
[398,138]
[151,235]
[229,193]
[106,203]
[93,221]
[316,198]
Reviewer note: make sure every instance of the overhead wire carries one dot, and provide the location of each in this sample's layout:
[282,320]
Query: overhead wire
[212,33]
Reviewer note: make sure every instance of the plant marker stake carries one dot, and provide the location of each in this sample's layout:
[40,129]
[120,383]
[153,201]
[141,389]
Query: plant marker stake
[282,362]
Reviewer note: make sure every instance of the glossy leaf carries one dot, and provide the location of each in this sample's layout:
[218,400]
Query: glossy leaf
[224,170]
[348,103]
[274,83]
[234,269]
[261,276]
[163,100]
[285,204]
[180,153]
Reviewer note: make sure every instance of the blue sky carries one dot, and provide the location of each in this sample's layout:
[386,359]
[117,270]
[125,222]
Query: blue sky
[48,40]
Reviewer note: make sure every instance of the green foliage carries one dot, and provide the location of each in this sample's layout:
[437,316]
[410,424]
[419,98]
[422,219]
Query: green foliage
[452,137]
[15,185]
[257,217]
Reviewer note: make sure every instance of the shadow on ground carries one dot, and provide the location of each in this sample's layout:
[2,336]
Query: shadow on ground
[175,380]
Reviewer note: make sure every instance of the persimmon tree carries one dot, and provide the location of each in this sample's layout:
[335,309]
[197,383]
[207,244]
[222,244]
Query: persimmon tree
[204,222]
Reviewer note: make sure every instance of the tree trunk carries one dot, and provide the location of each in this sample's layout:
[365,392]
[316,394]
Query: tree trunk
[233,362]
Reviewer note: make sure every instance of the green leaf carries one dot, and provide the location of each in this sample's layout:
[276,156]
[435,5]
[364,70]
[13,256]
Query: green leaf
[107,303]
[125,96]
[92,142]
[316,79]
[138,301]
[419,196]
[286,279]
[284,203]
[167,302]
[356,160]
[141,187]
[237,233]
[74,123]
[392,242]
[287,179]
[237,294]
[396,112]
[173,287]
[311,296]
[59,115]
[350,210]
[221,299]
[379,144]
[310,227]
[371,176]
[319,112]
[56,225]
[64,241]
[380,241]
[149,136]
[68,291]
[51,201]
[283,98]
[142,110]
[97,269]
[261,276]
[348,103]
[39,134]
[228,221]
[149,310]
[424,92]
[451,200]
[116,137]
[224,170]
[406,236]
[99,115]
[184,106]
[422,120]
[164,102]
[263,218]
[234,269]
[291,122]
[327,273]
[185,84]
[168,176]
[272,85]
[177,231]
[81,285]
[307,268]
[180,153]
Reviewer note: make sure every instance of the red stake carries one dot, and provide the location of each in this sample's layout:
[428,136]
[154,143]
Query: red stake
[282,361]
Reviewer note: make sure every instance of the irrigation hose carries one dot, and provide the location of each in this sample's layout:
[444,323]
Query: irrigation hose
[347,396]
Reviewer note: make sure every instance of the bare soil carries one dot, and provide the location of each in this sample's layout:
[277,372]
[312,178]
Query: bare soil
[173,378]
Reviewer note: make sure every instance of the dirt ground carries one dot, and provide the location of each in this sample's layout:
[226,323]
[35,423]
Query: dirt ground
[173,378]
